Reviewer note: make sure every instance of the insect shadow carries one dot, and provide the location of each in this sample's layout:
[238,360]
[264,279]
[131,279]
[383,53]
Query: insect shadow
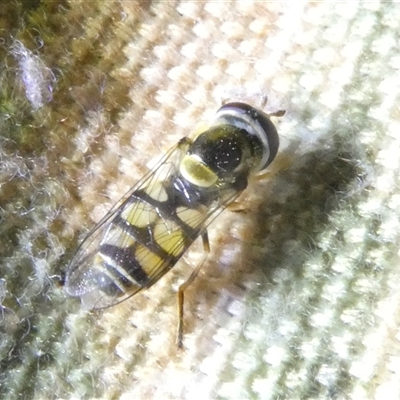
[284,217]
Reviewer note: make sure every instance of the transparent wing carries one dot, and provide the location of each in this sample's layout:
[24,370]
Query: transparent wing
[83,270]
[112,264]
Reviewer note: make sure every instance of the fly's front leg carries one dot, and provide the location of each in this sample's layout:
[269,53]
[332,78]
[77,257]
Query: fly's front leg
[186,284]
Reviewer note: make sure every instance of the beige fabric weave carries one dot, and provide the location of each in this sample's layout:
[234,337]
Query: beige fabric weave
[299,298]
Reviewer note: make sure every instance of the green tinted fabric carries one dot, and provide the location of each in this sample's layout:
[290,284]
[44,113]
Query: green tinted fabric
[299,298]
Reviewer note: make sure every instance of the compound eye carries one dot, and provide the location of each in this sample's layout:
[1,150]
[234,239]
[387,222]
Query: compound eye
[219,149]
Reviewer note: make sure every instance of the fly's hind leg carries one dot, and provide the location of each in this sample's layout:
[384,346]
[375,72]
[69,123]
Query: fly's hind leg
[186,284]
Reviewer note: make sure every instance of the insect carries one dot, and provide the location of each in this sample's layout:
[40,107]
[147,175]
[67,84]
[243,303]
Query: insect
[152,226]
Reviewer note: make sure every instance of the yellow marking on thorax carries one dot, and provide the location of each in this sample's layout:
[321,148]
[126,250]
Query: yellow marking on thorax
[197,173]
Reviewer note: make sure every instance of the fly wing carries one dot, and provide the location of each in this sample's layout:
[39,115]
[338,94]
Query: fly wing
[141,237]
[85,276]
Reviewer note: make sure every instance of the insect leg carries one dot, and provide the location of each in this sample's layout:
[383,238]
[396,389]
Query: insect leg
[206,242]
[186,284]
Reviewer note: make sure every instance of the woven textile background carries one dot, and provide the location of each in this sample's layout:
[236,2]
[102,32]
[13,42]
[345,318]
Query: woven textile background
[300,296]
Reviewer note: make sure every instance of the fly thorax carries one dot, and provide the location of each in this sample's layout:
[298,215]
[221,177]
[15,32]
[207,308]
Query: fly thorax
[219,157]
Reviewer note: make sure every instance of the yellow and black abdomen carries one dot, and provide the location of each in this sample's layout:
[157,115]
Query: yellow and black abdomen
[145,238]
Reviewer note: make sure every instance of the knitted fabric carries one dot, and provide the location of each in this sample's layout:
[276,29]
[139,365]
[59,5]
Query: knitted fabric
[299,297]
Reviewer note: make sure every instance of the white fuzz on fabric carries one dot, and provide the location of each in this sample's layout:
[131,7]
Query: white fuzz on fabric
[37,79]
[299,296]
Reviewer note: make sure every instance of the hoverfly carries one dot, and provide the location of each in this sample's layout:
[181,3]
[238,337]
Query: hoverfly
[149,230]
